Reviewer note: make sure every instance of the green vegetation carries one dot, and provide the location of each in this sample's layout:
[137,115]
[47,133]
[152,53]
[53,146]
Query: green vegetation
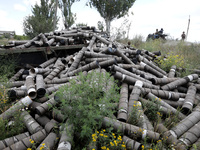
[111,10]
[182,54]
[85,103]
[41,20]
[14,126]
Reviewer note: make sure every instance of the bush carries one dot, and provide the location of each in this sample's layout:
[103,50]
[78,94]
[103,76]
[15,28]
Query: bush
[86,102]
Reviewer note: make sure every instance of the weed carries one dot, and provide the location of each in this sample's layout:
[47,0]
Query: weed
[11,128]
[85,103]
[135,118]
[105,139]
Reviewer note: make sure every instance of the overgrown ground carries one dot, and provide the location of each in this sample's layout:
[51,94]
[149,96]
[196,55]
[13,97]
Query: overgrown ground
[180,54]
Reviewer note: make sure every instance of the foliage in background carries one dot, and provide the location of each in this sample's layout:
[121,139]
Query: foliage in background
[166,62]
[67,15]
[7,67]
[86,102]
[41,20]
[21,37]
[80,25]
[112,9]
[188,52]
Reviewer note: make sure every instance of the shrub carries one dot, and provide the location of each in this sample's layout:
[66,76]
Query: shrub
[86,102]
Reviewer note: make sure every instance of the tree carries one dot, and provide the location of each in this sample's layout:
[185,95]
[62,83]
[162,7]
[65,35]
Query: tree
[42,19]
[111,9]
[68,17]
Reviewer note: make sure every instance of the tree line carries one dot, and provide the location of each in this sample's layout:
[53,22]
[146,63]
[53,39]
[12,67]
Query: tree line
[44,16]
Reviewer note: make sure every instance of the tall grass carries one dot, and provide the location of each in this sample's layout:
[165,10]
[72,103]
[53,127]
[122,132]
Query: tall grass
[189,51]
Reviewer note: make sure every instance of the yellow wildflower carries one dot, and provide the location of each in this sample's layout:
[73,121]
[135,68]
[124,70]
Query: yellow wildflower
[123,145]
[111,143]
[101,134]
[41,148]
[115,142]
[43,144]
[29,148]
[105,136]
[142,147]
[103,147]
[104,130]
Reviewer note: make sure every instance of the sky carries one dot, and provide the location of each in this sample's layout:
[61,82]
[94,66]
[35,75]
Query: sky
[148,15]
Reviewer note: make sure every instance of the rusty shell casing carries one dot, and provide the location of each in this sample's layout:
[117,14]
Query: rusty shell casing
[143,74]
[91,43]
[151,70]
[11,140]
[48,62]
[181,81]
[89,60]
[42,120]
[97,55]
[30,85]
[163,103]
[77,59]
[49,142]
[189,99]
[43,37]
[102,39]
[40,85]
[172,72]
[131,144]
[38,70]
[134,96]
[185,124]
[130,80]
[164,94]
[31,124]
[123,103]
[148,123]
[162,81]
[54,73]
[130,130]
[120,54]
[49,42]
[15,84]
[66,138]
[41,109]
[17,75]
[24,102]
[16,93]
[191,136]
[141,58]
[33,105]
[25,143]
[29,43]
[116,68]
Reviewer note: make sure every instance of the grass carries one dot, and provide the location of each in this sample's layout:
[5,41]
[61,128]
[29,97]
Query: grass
[189,51]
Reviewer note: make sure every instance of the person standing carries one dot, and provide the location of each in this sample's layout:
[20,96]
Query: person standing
[183,36]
